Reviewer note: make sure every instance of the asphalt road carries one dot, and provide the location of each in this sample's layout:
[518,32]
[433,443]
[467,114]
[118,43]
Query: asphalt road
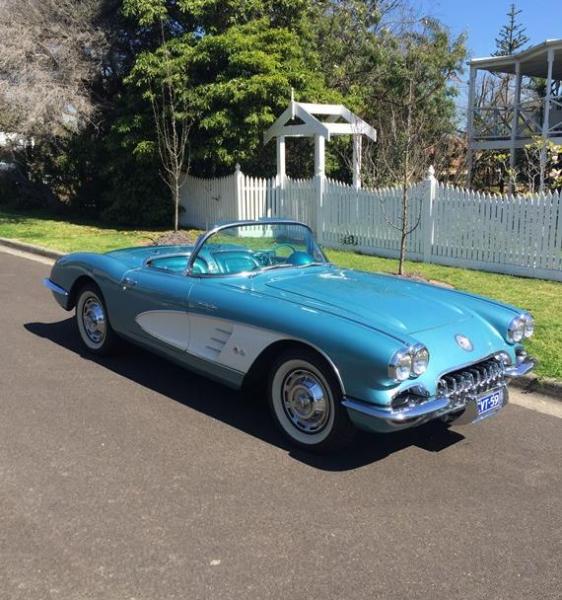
[129,478]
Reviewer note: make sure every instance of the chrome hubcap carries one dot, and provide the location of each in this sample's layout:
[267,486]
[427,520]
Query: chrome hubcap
[305,401]
[93,318]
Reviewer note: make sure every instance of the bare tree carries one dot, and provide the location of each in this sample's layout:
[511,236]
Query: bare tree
[542,157]
[51,51]
[410,137]
[173,122]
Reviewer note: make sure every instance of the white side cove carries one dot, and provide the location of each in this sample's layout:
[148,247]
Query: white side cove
[230,344]
[169,326]
[227,343]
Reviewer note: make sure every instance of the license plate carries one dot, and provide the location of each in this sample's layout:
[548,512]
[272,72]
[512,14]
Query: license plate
[490,402]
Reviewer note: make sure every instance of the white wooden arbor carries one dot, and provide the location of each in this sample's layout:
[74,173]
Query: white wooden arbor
[320,121]
[520,119]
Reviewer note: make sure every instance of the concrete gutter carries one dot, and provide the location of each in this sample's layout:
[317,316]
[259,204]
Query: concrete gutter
[527,383]
[30,248]
[541,385]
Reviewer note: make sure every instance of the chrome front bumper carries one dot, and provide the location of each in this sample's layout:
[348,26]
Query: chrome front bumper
[401,416]
[431,408]
[57,289]
[60,294]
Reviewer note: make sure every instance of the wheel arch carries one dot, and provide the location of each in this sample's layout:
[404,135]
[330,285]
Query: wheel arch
[78,284]
[256,377]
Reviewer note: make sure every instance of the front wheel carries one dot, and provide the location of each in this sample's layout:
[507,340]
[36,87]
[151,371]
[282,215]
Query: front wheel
[305,400]
[91,318]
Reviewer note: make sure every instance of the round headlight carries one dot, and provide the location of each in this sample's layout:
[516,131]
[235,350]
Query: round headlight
[420,360]
[529,326]
[400,366]
[516,329]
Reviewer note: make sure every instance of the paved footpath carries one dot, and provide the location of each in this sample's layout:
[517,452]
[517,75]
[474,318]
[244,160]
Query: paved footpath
[129,478]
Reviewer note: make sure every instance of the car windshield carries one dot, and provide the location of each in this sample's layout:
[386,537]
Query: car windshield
[255,248]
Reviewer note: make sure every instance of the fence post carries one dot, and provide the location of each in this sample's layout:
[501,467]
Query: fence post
[239,193]
[428,217]
[320,185]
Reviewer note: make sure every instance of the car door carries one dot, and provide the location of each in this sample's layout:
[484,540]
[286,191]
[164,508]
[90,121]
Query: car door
[155,306]
[219,332]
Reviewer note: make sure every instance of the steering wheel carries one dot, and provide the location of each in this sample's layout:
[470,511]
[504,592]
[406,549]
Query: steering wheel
[263,257]
[283,245]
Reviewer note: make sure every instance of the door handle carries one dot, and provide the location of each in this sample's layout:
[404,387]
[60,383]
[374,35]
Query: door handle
[205,306]
[128,283]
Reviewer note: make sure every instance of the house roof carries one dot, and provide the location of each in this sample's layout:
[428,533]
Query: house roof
[318,119]
[533,61]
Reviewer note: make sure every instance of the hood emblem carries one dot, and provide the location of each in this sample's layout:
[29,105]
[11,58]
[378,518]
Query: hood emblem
[464,342]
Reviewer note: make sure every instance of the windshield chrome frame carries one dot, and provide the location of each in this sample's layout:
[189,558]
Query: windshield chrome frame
[248,223]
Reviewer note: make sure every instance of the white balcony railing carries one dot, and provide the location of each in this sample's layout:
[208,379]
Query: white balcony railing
[496,123]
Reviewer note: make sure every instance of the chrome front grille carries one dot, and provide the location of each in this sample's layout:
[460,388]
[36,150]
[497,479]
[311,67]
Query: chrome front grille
[467,383]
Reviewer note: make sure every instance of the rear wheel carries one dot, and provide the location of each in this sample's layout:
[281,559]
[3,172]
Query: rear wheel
[305,400]
[94,328]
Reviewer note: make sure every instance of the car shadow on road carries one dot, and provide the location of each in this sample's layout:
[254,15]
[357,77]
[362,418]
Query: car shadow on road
[243,411]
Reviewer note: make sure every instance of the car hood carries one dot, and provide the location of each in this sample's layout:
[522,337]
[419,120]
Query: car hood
[387,303]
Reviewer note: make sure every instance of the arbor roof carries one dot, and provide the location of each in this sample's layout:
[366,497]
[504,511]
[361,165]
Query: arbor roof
[318,119]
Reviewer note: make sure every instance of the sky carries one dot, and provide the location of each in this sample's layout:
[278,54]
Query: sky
[482,20]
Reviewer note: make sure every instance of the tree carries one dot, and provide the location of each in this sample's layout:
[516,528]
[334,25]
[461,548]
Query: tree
[512,35]
[412,93]
[242,79]
[494,98]
[162,75]
[51,50]
[542,159]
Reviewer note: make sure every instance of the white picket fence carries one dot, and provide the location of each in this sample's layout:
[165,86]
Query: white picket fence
[458,227]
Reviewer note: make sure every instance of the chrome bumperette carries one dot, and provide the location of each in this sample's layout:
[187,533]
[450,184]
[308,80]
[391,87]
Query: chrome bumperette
[57,289]
[521,369]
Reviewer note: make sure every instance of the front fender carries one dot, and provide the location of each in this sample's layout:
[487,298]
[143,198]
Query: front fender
[69,270]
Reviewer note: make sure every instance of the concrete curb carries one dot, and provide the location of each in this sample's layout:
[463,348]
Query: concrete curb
[30,248]
[531,383]
[527,383]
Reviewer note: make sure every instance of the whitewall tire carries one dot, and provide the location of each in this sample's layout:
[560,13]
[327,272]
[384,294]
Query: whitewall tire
[95,331]
[305,400]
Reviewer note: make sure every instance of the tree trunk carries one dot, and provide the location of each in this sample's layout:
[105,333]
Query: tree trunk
[404,232]
[405,180]
[176,205]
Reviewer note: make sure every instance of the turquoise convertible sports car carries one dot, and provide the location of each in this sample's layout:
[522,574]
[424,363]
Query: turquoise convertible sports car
[258,302]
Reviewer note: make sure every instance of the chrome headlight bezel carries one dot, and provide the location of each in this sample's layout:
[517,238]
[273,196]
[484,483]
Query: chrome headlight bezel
[420,360]
[408,363]
[520,327]
[529,325]
[400,366]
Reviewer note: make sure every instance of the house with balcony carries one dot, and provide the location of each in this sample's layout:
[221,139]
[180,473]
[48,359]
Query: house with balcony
[507,115]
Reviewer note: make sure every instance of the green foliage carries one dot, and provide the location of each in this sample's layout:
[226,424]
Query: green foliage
[134,193]
[411,99]
[233,64]
[146,12]
[243,80]
[543,156]
[512,35]
[238,82]
[210,17]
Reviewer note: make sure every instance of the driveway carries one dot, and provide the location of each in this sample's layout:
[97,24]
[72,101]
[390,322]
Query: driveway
[130,478]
